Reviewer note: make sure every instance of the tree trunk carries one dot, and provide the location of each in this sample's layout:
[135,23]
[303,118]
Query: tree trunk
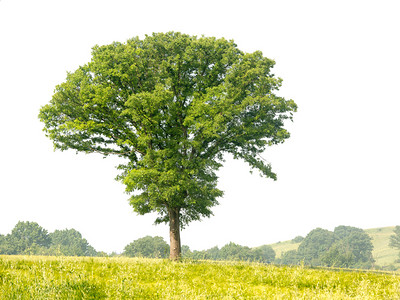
[174,234]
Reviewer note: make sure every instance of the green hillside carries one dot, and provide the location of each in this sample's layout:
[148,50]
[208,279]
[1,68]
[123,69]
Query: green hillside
[382,253]
[282,247]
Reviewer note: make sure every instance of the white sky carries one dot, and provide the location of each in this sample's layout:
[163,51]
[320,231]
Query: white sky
[339,60]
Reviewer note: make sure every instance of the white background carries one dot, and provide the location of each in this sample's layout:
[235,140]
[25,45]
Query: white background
[340,62]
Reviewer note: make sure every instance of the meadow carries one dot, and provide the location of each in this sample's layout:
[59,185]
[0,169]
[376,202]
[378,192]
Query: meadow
[37,277]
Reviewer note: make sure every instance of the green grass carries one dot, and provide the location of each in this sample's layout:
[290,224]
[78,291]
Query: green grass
[34,277]
[382,253]
[283,247]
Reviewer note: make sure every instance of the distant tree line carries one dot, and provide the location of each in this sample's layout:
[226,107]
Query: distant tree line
[345,247]
[156,247]
[232,251]
[152,247]
[31,239]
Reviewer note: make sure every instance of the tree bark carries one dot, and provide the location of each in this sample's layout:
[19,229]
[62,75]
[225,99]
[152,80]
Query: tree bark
[174,234]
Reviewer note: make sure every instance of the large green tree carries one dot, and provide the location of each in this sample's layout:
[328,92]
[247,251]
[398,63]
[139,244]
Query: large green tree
[172,105]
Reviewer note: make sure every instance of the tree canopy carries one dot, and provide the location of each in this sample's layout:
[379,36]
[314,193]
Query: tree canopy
[171,105]
[69,242]
[395,239]
[317,242]
[25,238]
[154,247]
[345,247]
[31,238]
[232,251]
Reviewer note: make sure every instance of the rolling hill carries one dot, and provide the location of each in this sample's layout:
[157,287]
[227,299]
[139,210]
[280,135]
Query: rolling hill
[382,253]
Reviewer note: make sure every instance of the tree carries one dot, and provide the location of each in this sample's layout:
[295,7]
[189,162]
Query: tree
[3,245]
[344,232]
[234,251]
[346,247]
[265,254]
[148,246]
[290,257]
[297,239]
[395,238]
[27,238]
[69,242]
[316,243]
[338,255]
[212,253]
[357,242]
[172,105]
[186,252]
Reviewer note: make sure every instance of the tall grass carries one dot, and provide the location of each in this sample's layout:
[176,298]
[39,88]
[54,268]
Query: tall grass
[34,277]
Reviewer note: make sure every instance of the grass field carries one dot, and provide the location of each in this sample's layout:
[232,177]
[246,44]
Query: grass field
[34,277]
[382,253]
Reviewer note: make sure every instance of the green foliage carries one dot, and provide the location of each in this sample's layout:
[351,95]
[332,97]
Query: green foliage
[264,254]
[232,251]
[172,105]
[297,239]
[382,252]
[3,246]
[152,247]
[395,238]
[186,252]
[338,255]
[213,253]
[357,243]
[137,278]
[383,255]
[346,247]
[316,243]
[25,238]
[210,254]
[290,258]
[30,238]
[69,242]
